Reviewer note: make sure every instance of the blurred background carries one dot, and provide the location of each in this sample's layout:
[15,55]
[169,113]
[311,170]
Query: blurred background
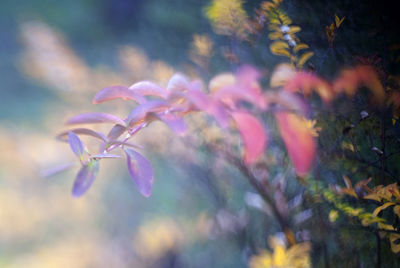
[54,56]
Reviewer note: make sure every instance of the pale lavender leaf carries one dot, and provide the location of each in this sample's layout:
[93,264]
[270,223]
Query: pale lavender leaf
[76,144]
[125,143]
[210,106]
[147,88]
[178,82]
[85,178]
[140,171]
[96,118]
[177,124]
[98,156]
[48,172]
[199,99]
[116,132]
[139,113]
[82,131]
[117,92]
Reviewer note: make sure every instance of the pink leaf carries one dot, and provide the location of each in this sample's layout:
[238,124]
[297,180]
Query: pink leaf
[85,178]
[253,135]
[298,140]
[96,118]
[76,144]
[147,88]
[140,171]
[210,106]
[117,92]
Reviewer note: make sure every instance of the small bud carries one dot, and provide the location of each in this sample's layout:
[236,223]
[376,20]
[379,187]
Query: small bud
[364,115]
[376,150]
[285,28]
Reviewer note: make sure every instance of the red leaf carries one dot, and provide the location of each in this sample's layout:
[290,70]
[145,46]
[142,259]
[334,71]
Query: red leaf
[253,135]
[351,79]
[298,140]
[76,144]
[117,92]
[85,178]
[140,171]
[307,82]
[96,118]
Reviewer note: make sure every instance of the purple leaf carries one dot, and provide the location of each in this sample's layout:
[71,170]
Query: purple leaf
[82,131]
[98,156]
[147,88]
[125,144]
[177,124]
[96,118]
[76,144]
[116,132]
[139,113]
[85,178]
[117,92]
[140,171]
[210,106]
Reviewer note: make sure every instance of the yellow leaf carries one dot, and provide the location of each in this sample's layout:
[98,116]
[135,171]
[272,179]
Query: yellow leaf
[279,257]
[304,58]
[279,48]
[299,47]
[385,226]
[294,29]
[380,208]
[220,81]
[275,36]
[394,242]
[282,74]
[279,45]
[396,210]
[338,21]
[333,215]
[347,182]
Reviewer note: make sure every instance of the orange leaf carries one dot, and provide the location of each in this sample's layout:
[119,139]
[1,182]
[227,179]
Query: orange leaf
[253,135]
[298,140]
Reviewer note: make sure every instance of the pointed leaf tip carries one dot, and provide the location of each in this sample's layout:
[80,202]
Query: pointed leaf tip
[140,171]
[76,144]
[89,118]
[117,92]
[85,178]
